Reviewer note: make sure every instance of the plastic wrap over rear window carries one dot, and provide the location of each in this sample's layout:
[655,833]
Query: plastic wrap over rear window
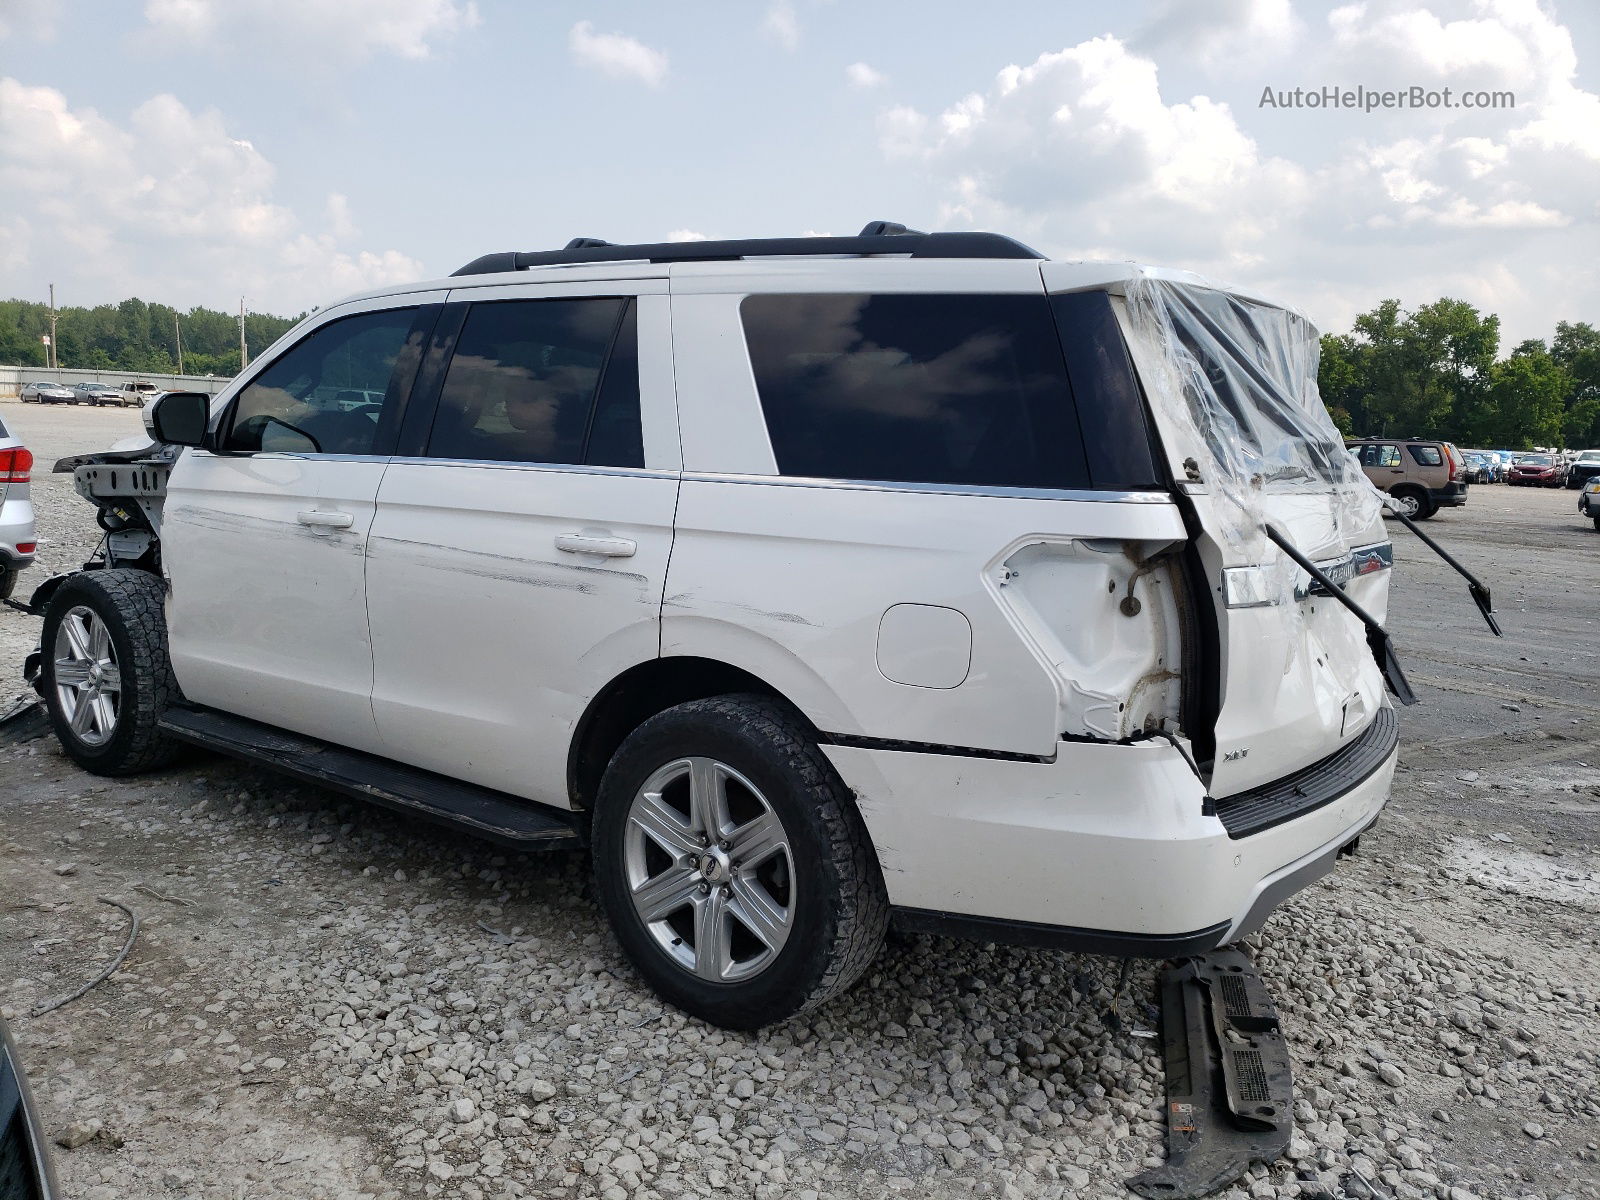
[967,390]
[1243,376]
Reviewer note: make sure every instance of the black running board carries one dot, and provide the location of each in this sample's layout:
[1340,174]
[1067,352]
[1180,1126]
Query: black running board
[1230,1092]
[490,814]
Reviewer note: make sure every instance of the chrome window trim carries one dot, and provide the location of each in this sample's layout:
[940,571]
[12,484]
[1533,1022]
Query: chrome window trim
[497,464]
[941,489]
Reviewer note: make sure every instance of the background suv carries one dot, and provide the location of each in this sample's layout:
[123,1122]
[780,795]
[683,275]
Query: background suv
[1422,476]
[1583,468]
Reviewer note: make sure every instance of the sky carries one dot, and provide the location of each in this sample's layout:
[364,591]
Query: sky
[294,151]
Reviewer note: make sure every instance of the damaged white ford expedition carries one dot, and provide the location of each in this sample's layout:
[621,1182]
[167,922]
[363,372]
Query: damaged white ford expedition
[817,585]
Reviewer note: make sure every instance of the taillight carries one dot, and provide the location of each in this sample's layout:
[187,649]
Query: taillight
[1455,463]
[15,464]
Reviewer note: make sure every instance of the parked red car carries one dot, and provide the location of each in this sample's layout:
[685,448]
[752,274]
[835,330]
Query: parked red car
[1538,470]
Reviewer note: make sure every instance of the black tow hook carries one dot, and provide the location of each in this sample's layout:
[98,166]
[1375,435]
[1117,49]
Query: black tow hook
[1230,1092]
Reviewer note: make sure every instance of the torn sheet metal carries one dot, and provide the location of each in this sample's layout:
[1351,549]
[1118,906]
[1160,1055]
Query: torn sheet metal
[1230,1090]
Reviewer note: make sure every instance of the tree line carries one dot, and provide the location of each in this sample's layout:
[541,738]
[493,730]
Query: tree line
[133,336]
[1436,372]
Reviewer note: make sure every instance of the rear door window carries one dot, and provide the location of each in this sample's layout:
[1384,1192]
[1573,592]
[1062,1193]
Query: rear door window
[966,390]
[538,381]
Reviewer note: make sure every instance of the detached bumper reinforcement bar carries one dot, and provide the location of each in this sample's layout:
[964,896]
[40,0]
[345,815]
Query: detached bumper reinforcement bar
[1230,1094]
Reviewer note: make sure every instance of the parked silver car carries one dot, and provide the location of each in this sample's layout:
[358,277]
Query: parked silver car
[97,393]
[17,540]
[47,393]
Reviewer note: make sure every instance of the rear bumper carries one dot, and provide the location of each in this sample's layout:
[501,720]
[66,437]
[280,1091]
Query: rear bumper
[16,528]
[1450,496]
[1104,850]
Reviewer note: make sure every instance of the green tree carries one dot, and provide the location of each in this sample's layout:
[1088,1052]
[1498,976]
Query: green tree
[1576,348]
[1529,391]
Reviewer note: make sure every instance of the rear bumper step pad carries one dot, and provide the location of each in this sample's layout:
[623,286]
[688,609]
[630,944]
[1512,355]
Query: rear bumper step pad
[1230,1092]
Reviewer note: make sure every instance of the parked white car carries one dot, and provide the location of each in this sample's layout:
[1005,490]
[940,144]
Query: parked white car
[139,392]
[902,578]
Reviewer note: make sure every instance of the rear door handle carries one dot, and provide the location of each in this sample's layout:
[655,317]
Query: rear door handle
[578,543]
[318,519]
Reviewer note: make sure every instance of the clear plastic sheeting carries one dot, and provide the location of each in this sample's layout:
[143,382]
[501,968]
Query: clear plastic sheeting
[1240,375]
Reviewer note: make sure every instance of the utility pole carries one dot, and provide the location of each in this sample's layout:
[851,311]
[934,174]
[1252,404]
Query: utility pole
[54,361]
[244,351]
[177,333]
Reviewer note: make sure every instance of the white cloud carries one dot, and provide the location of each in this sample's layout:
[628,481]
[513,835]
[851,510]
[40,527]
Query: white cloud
[169,206]
[1081,153]
[686,235]
[342,28]
[1220,32]
[782,24]
[862,76]
[617,55]
[31,18]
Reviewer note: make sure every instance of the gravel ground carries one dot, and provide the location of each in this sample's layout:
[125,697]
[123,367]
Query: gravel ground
[329,1000]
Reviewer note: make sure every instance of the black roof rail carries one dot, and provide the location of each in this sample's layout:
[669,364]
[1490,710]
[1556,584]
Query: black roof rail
[879,237]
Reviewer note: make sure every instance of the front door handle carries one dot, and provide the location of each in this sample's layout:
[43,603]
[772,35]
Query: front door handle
[318,519]
[578,543]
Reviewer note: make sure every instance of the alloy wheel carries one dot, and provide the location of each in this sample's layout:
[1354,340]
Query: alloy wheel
[87,679]
[709,869]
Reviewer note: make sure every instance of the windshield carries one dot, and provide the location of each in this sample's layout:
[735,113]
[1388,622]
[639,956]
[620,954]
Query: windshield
[1535,460]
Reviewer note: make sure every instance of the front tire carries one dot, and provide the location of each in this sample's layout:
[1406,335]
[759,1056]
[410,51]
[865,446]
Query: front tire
[106,676]
[732,864]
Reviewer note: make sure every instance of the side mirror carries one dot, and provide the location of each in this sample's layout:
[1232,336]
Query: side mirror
[179,418]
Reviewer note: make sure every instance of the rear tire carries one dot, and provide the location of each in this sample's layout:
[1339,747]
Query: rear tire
[8,581]
[106,676]
[731,944]
[1413,502]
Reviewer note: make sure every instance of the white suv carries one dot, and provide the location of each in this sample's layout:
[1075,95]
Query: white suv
[816,584]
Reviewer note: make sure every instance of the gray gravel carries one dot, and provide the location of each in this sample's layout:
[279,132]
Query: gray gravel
[327,1000]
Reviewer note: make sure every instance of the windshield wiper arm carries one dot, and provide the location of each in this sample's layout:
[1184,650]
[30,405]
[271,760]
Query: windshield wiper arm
[1377,637]
[1480,593]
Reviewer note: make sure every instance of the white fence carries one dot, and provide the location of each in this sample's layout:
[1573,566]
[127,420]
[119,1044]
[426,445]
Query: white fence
[12,379]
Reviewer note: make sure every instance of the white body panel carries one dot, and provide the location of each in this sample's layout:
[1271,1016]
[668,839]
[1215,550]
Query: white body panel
[490,639]
[1104,838]
[232,527]
[267,617]
[790,579]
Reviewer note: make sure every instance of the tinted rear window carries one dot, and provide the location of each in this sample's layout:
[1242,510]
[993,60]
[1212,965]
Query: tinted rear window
[953,389]
[1428,456]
